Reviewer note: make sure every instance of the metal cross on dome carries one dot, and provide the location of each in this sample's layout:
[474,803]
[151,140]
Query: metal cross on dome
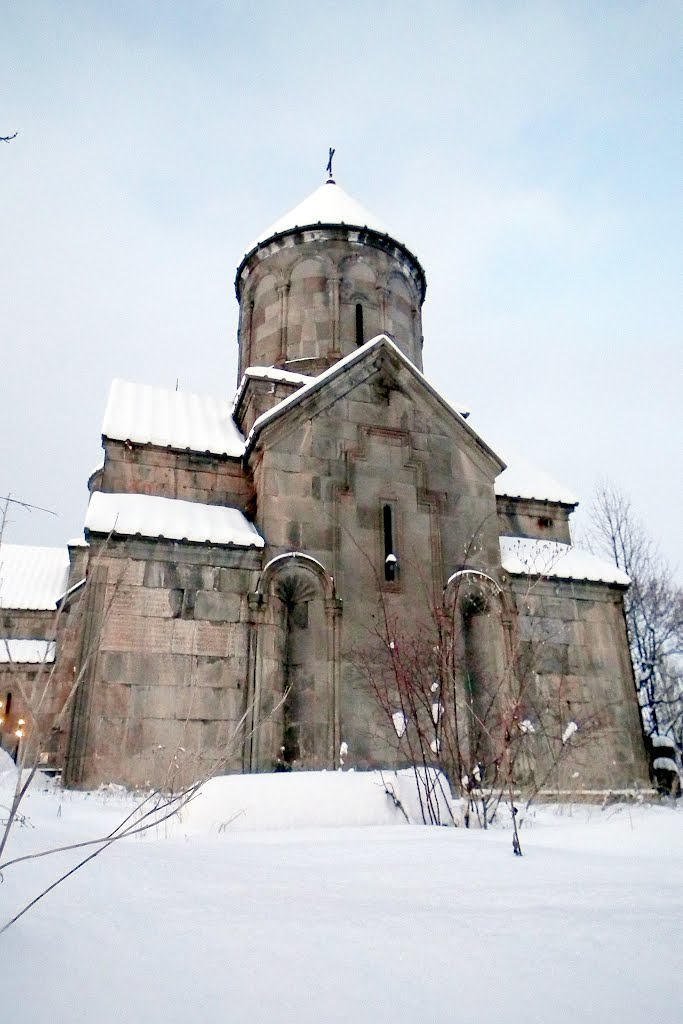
[330,179]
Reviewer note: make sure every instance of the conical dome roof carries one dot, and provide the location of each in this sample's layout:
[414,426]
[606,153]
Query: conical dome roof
[329,205]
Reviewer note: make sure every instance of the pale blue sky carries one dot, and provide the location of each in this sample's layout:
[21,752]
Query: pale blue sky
[528,152]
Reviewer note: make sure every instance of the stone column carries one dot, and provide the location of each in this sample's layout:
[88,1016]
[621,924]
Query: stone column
[383,303]
[253,696]
[283,294]
[333,285]
[244,340]
[333,610]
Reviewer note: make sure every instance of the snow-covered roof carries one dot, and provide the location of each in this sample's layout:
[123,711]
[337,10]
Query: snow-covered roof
[130,515]
[27,652]
[522,556]
[271,373]
[32,577]
[315,383]
[329,204]
[171,419]
[522,480]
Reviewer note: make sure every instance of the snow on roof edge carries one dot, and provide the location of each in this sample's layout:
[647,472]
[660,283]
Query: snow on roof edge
[173,519]
[267,373]
[525,556]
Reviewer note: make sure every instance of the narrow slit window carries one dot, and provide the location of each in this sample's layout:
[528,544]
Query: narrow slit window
[390,560]
[359,324]
[8,705]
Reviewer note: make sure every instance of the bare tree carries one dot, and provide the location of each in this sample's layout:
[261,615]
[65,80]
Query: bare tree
[485,725]
[654,612]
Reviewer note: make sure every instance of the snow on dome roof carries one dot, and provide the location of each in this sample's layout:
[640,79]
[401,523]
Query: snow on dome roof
[32,577]
[171,419]
[523,556]
[144,515]
[329,204]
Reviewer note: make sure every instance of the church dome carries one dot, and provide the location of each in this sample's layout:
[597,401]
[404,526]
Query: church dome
[322,280]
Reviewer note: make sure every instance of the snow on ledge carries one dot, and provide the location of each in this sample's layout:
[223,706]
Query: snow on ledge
[130,515]
[27,652]
[522,556]
[665,764]
[270,373]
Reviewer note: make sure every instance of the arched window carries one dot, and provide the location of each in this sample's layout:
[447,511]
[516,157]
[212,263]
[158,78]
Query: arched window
[390,560]
[359,324]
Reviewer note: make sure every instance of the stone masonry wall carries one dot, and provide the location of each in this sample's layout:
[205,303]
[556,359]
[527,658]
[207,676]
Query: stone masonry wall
[541,520]
[163,699]
[190,476]
[570,642]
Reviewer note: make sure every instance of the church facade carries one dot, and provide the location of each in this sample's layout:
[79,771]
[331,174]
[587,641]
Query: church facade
[259,579]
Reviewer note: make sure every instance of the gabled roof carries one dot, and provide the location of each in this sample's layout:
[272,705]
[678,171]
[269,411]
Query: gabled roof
[522,556]
[144,515]
[171,419]
[342,367]
[32,578]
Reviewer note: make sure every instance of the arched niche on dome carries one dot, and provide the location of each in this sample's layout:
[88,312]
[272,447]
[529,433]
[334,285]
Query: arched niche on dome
[295,693]
[403,320]
[309,327]
[260,322]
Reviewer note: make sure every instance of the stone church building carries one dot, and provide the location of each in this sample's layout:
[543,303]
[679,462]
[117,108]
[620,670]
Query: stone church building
[253,572]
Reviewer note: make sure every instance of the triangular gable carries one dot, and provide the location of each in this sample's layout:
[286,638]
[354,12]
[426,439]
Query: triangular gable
[365,353]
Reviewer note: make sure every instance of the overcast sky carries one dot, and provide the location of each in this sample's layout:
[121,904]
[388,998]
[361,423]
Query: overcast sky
[527,152]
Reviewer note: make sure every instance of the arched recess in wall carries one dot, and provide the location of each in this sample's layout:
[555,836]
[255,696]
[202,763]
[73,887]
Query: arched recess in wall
[403,317]
[295,666]
[475,606]
[264,326]
[309,330]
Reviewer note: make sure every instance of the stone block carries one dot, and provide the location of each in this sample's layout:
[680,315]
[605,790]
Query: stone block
[217,607]
[235,581]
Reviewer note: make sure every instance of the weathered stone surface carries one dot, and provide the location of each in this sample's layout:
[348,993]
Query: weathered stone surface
[217,607]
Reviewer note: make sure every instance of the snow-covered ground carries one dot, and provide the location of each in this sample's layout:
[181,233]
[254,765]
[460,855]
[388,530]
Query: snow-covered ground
[335,922]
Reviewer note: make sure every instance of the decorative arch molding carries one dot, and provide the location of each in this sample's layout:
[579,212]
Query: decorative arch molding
[475,581]
[288,560]
[327,265]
